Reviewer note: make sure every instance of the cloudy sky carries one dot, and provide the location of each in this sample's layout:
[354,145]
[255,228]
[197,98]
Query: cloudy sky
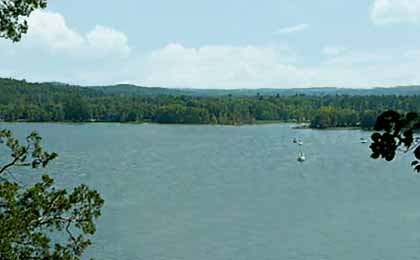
[220,44]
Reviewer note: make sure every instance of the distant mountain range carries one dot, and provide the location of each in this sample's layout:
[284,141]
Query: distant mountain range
[133,90]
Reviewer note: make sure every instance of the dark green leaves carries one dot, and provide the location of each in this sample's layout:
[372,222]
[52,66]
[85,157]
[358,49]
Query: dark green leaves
[12,17]
[42,222]
[396,130]
[35,220]
[28,154]
[383,146]
[417,153]
[387,121]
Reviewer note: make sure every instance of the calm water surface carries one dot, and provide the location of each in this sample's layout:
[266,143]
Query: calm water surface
[220,193]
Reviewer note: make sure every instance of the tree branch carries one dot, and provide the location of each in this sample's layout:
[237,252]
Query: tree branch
[11,164]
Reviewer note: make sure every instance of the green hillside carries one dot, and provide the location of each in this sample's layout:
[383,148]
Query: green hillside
[321,107]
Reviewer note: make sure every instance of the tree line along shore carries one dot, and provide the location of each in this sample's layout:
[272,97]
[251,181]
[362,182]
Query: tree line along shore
[52,102]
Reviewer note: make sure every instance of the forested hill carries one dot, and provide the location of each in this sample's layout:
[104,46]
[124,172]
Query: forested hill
[10,88]
[131,90]
[11,85]
[56,102]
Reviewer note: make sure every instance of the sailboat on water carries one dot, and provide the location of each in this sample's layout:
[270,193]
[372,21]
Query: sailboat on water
[301,158]
[298,142]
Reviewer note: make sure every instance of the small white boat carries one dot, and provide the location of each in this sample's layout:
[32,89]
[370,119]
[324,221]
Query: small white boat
[301,158]
[363,140]
[300,143]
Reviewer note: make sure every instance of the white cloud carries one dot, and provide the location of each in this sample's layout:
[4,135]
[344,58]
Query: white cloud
[395,11]
[383,67]
[292,29]
[49,30]
[221,66]
[358,58]
[211,66]
[271,66]
[106,40]
[333,50]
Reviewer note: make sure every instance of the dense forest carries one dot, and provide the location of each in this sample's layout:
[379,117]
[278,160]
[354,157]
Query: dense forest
[133,90]
[54,102]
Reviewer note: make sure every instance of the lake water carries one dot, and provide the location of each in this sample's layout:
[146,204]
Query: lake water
[221,193]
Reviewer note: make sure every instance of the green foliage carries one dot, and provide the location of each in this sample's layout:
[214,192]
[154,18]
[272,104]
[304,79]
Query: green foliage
[40,221]
[76,109]
[48,102]
[133,90]
[30,154]
[396,131]
[12,17]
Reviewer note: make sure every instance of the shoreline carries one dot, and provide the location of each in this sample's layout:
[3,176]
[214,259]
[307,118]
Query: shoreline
[340,128]
[296,126]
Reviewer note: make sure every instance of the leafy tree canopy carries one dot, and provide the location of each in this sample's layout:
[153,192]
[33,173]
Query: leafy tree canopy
[37,220]
[396,131]
[13,14]
[40,221]
[52,102]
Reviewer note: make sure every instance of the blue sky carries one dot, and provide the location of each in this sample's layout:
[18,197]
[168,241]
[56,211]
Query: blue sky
[220,43]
